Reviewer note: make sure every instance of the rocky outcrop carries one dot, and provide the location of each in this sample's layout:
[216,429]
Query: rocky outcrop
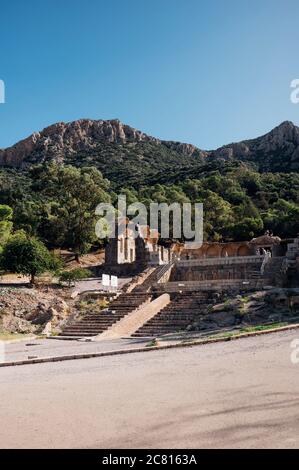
[29,310]
[186,149]
[258,308]
[276,151]
[63,140]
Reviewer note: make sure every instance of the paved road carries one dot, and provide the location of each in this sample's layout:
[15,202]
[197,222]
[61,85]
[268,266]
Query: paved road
[39,348]
[237,394]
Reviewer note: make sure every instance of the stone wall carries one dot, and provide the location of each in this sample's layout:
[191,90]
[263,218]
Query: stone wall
[219,250]
[121,270]
[120,250]
[216,272]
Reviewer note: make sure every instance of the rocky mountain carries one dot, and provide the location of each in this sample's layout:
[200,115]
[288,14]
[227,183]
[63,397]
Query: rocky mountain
[277,150]
[62,141]
[118,149]
[122,153]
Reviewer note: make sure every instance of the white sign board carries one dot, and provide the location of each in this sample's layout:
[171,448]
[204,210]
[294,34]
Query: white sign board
[106,280]
[114,281]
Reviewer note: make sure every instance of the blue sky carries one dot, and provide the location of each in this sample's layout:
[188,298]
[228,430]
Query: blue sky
[205,72]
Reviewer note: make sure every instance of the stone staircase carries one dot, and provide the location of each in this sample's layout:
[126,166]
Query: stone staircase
[92,324]
[154,277]
[291,265]
[273,269]
[271,275]
[293,251]
[175,316]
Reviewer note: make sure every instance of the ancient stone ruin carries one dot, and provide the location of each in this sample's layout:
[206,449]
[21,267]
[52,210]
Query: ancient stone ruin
[217,285]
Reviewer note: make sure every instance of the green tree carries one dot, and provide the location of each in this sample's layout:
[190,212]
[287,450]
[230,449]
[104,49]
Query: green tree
[285,218]
[28,256]
[6,224]
[218,214]
[71,196]
[247,228]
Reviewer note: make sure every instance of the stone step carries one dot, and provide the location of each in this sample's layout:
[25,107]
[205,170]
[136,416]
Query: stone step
[78,328]
[178,309]
[103,317]
[88,325]
[176,316]
[82,334]
[93,324]
[173,317]
[93,332]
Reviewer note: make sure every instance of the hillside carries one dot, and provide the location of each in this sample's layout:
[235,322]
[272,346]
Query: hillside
[52,183]
[124,154]
[116,149]
[278,150]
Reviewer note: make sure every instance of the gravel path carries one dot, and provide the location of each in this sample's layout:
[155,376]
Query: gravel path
[238,394]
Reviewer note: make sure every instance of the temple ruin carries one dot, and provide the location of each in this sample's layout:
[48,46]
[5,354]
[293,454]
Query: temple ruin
[172,286]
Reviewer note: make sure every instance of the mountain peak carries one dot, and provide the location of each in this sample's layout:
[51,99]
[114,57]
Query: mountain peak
[278,150]
[286,131]
[96,140]
[61,140]
[286,124]
[285,127]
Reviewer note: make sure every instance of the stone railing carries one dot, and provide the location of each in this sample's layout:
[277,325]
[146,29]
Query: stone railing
[211,284]
[229,260]
[138,280]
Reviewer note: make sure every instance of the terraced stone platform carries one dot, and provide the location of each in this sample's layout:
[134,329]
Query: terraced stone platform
[176,316]
[93,324]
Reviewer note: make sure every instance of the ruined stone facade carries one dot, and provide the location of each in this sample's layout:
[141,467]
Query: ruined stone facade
[249,264]
[232,249]
[128,253]
[219,250]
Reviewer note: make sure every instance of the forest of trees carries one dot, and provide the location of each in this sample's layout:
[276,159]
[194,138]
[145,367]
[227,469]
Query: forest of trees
[56,203]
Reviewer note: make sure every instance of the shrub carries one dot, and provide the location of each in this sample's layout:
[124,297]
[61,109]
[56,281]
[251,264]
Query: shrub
[70,277]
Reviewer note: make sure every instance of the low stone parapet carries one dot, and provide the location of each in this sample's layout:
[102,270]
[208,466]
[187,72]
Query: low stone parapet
[220,261]
[225,284]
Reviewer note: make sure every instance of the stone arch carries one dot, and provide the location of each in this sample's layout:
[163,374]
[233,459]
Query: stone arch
[223,252]
[213,251]
[229,250]
[243,250]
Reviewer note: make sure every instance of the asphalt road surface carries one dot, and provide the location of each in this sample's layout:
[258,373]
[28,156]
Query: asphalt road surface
[239,394]
[39,348]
